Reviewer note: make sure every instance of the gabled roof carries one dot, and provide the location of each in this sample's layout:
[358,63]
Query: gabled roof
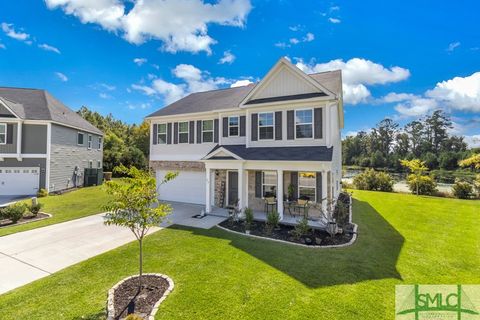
[241,152]
[329,83]
[36,104]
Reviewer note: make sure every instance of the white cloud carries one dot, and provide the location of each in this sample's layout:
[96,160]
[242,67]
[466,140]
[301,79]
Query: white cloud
[416,107]
[296,28]
[460,93]
[282,45]
[452,46]
[334,20]
[294,41]
[397,97]
[309,37]
[334,8]
[357,74]
[473,141]
[241,83]
[138,106]
[145,89]
[61,76]
[47,47]
[182,25]
[12,33]
[2,46]
[139,61]
[228,57]
[107,86]
[104,95]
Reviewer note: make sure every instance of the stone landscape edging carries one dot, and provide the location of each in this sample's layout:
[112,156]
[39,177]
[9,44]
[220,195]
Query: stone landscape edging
[111,295]
[349,243]
[25,222]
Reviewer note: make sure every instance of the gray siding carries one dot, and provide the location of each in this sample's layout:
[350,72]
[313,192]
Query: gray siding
[27,162]
[66,155]
[34,138]
[12,147]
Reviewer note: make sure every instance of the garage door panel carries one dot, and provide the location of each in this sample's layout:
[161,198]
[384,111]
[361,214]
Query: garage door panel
[19,181]
[188,186]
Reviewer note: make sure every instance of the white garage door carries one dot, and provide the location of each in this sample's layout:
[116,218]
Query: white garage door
[19,181]
[188,186]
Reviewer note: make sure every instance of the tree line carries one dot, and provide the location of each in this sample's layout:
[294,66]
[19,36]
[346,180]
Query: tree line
[124,144]
[427,139]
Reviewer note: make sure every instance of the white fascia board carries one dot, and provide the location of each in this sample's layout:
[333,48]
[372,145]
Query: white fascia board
[213,113]
[299,102]
[221,149]
[8,108]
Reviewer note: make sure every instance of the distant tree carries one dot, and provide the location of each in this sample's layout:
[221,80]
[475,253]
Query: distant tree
[448,160]
[386,131]
[417,168]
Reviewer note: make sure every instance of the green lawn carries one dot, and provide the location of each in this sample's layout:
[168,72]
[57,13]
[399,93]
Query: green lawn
[68,206]
[403,239]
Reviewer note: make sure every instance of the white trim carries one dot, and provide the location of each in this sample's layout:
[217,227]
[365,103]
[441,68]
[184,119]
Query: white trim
[188,132]
[5,133]
[221,149]
[99,143]
[8,108]
[48,156]
[308,187]
[212,130]
[303,123]
[158,132]
[237,126]
[19,139]
[273,125]
[264,184]
[89,141]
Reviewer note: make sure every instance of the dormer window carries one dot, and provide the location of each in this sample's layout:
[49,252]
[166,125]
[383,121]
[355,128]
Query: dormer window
[233,126]
[265,126]
[3,133]
[304,124]
[183,132]
[207,131]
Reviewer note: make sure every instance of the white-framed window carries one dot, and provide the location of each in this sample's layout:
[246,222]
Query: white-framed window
[269,184]
[89,141]
[233,126]
[307,186]
[162,133]
[90,164]
[183,132]
[99,146]
[3,133]
[80,139]
[304,124]
[207,130]
[265,126]
[99,164]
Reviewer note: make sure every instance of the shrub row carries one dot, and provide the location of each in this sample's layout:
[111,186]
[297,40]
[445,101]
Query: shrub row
[373,180]
[16,211]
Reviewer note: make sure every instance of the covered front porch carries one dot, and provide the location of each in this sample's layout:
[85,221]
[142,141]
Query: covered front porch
[292,189]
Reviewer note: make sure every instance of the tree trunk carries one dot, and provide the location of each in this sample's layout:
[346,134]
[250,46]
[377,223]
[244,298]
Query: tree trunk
[140,260]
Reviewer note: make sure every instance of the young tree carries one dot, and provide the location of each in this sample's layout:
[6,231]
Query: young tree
[473,161]
[134,204]
[417,168]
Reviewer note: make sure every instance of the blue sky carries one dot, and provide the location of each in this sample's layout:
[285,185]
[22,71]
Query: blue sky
[129,58]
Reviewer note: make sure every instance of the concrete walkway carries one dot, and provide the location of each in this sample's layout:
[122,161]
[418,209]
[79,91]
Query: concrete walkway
[34,254]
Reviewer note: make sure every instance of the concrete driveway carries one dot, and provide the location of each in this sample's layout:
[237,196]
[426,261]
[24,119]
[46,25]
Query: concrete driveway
[34,254]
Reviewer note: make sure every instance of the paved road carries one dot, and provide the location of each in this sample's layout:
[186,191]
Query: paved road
[31,255]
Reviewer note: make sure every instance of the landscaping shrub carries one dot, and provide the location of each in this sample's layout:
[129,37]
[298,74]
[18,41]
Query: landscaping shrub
[462,189]
[248,218]
[373,180]
[301,229]
[35,208]
[476,183]
[42,193]
[273,218]
[426,185]
[14,212]
[133,316]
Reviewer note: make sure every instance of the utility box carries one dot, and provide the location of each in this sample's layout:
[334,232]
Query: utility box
[92,177]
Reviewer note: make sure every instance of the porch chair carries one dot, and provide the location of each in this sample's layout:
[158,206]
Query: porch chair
[270,202]
[302,204]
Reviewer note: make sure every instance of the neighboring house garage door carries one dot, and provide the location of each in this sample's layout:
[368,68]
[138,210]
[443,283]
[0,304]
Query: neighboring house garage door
[188,186]
[19,181]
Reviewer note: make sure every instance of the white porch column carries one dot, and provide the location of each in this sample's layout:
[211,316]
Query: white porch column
[280,193]
[19,141]
[241,189]
[324,190]
[208,206]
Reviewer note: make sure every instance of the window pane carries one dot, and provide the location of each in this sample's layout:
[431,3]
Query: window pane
[233,121]
[2,138]
[162,128]
[303,116]
[306,193]
[3,129]
[208,136]
[207,125]
[265,119]
[269,177]
[269,191]
[304,131]
[233,131]
[183,137]
[183,127]
[266,133]
[306,179]
[162,138]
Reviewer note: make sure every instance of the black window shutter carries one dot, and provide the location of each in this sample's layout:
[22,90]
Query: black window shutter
[199,131]
[155,131]
[242,126]
[9,133]
[254,132]
[191,132]
[225,127]
[215,130]
[318,118]
[278,125]
[290,124]
[175,132]
[258,184]
[169,133]
[319,187]
[294,183]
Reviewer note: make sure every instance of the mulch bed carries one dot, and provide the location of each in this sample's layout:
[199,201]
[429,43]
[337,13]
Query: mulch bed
[25,219]
[128,299]
[284,232]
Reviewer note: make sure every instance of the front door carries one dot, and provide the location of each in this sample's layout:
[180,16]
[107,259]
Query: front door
[232,187]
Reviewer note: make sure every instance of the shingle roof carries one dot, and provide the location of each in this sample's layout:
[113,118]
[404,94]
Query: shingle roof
[36,104]
[314,153]
[232,97]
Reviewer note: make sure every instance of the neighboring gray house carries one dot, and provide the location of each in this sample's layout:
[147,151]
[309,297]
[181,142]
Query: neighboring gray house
[43,143]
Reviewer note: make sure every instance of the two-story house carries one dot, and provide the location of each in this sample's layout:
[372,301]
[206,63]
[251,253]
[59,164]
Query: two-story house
[279,137]
[43,143]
